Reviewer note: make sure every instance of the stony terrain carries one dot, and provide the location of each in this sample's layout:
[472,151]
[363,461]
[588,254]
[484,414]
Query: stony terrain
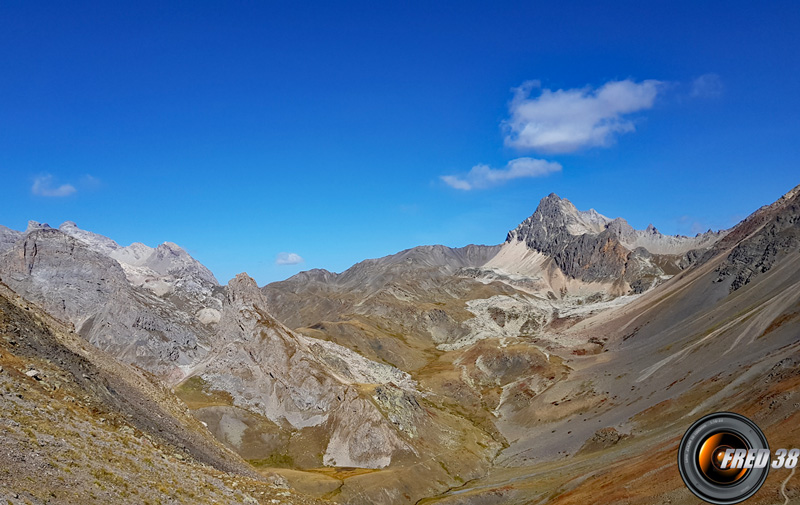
[558,367]
[697,344]
[78,427]
[718,315]
[288,400]
[277,398]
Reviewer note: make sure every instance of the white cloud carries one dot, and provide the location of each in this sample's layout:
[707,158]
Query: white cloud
[456,182]
[44,186]
[483,176]
[285,258]
[707,86]
[564,121]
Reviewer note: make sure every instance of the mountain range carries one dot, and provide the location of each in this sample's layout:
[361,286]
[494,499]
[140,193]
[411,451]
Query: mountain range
[558,366]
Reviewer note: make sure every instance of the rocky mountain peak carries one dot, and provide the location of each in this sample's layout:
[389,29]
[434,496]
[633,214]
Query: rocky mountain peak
[140,260]
[35,225]
[243,290]
[95,241]
[620,228]
[171,247]
[555,216]
[589,246]
[557,219]
[244,309]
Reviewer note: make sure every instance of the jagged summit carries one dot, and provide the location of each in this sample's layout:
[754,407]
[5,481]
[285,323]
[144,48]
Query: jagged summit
[35,225]
[95,241]
[555,214]
[590,247]
[141,261]
[556,219]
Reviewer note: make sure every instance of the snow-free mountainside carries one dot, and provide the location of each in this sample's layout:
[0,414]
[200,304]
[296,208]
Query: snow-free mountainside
[561,366]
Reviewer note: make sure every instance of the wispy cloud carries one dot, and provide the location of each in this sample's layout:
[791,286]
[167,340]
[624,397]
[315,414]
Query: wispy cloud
[90,182]
[707,86]
[483,176]
[45,185]
[564,121]
[289,258]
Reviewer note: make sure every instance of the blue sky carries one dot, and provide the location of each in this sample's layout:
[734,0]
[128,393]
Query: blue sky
[256,134]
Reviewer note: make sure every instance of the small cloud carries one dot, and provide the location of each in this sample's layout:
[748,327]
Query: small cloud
[458,183]
[565,121]
[285,258]
[90,181]
[707,86]
[483,176]
[44,185]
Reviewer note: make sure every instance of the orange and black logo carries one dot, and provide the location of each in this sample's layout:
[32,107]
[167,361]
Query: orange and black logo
[724,458]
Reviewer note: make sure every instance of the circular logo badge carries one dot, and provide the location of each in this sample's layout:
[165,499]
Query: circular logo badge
[717,457]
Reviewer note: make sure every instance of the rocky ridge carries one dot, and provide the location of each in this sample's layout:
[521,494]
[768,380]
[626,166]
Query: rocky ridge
[91,290]
[590,247]
[774,233]
[265,392]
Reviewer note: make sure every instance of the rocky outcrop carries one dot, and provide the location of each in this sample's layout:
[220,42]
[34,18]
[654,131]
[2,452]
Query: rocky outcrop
[303,400]
[166,270]
[298,383]
[770,232]
[8,238]
[114,390]
[590,247]
[80,284]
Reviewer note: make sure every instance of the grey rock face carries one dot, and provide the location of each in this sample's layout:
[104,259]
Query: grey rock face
[114,389]
[166,269]
[591,247]
[301,383]
[78,284]
[8,238]
[777,233]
